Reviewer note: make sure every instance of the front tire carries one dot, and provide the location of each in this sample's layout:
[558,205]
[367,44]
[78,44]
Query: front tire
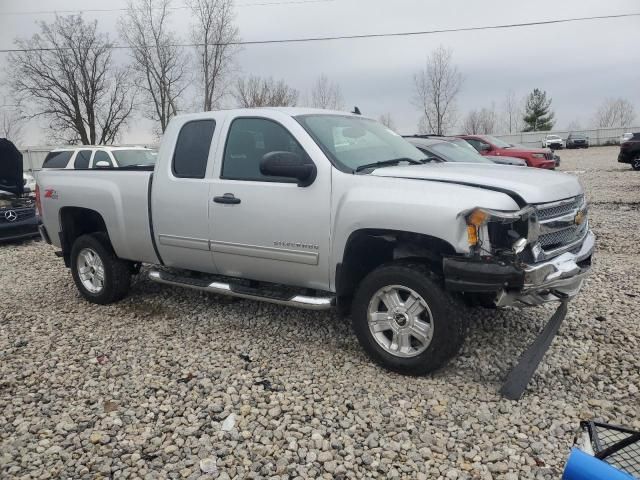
[405,321]
[101,277]
[635,163]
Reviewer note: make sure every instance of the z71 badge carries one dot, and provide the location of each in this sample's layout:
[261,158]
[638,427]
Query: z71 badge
[51,193]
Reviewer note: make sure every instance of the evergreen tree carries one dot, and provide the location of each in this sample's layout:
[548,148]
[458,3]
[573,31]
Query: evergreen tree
[538,115]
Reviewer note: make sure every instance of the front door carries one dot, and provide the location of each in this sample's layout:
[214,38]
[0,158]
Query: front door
[267,228]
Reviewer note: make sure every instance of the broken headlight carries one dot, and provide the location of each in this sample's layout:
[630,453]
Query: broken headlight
[493,231]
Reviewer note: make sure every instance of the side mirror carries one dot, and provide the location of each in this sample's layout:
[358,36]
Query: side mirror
[102,164]
[288,165]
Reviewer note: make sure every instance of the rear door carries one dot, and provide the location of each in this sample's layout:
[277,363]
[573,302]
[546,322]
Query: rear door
[180,195]
[268,228]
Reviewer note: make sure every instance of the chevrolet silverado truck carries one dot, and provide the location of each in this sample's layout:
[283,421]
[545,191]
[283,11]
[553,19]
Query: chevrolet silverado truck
[318,209]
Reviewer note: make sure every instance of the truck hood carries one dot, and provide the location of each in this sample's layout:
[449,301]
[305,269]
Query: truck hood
[525,185]
[10,168]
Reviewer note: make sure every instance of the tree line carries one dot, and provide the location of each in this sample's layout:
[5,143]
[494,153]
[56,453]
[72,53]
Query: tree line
[439,83]
[66,74]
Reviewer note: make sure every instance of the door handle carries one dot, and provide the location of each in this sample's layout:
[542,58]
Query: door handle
[227,198]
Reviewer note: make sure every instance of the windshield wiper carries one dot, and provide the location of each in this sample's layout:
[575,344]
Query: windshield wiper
[387,163]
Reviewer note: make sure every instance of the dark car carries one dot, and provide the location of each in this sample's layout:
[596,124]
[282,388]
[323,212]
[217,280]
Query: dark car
[443,151]
[18,217]
[577,140]
[630,151]
[466,145]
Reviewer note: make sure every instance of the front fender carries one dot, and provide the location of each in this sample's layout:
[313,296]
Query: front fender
[406,205]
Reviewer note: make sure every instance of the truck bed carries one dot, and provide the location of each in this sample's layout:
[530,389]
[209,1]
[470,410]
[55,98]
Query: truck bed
[121,196]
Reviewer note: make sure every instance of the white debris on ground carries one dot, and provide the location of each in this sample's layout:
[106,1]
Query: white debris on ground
[171,383]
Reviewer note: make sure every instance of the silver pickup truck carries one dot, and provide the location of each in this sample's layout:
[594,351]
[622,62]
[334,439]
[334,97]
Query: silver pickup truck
[316,209]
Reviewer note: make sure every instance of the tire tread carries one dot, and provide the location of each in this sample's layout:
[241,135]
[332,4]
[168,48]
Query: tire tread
[117,271]
[448,334]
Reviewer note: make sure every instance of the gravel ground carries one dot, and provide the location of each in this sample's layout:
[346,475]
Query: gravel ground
[171,383]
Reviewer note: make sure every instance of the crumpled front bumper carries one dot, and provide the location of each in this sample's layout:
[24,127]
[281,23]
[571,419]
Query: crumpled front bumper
[556,279]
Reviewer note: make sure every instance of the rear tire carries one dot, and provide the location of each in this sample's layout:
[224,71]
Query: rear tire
[405,321]
[101,277]
[635,163]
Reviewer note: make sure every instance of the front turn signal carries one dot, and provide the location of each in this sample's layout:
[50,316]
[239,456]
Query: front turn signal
[472,234]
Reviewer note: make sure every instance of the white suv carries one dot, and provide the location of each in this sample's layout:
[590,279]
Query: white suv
[553,142]
[89,156]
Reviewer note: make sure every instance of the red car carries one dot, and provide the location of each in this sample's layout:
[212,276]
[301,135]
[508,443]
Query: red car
[494,147]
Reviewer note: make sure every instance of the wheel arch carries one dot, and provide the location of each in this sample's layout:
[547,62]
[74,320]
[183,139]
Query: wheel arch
[367,249]
[77,221]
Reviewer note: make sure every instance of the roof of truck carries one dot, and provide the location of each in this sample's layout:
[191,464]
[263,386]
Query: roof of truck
[104,147]
[290,111]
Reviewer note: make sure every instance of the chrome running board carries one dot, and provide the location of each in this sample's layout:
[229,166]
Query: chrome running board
[240,291]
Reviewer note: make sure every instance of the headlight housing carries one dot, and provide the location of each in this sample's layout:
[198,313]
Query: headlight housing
[493,232]
[538,155]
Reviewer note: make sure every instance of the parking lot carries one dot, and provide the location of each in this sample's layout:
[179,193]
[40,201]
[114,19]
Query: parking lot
[153,385]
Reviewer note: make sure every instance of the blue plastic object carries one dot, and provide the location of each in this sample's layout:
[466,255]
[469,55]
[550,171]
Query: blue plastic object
[582,466]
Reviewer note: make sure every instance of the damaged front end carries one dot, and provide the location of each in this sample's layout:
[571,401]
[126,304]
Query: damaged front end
[538,254]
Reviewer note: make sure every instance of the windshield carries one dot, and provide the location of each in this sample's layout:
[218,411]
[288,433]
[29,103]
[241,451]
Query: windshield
[129,158]
[497,142]
[453,153]
[352,142]
[464,144]
[553,137]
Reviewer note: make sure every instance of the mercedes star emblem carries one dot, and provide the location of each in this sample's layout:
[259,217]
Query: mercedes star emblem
[11,215]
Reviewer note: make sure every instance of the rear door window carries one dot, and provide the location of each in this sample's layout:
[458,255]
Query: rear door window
[82,159]
[192,149]
[57,159]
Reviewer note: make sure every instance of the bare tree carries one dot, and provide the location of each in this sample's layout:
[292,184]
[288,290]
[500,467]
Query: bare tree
[66,75]
[161,66]
[481,121]
[325,94]
[436,89]
[216,35]
[471,123]
[387,120]
[512,112]
[264,92]
[11,124]
[615,112]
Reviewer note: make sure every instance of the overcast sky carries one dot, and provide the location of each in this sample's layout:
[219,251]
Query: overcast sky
[578,64]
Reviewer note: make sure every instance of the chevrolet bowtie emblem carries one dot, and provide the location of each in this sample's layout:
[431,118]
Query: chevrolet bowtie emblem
[579,218]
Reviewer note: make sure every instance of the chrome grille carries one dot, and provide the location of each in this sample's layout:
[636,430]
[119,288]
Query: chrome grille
[559,209]
[560,225]
[562,237]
